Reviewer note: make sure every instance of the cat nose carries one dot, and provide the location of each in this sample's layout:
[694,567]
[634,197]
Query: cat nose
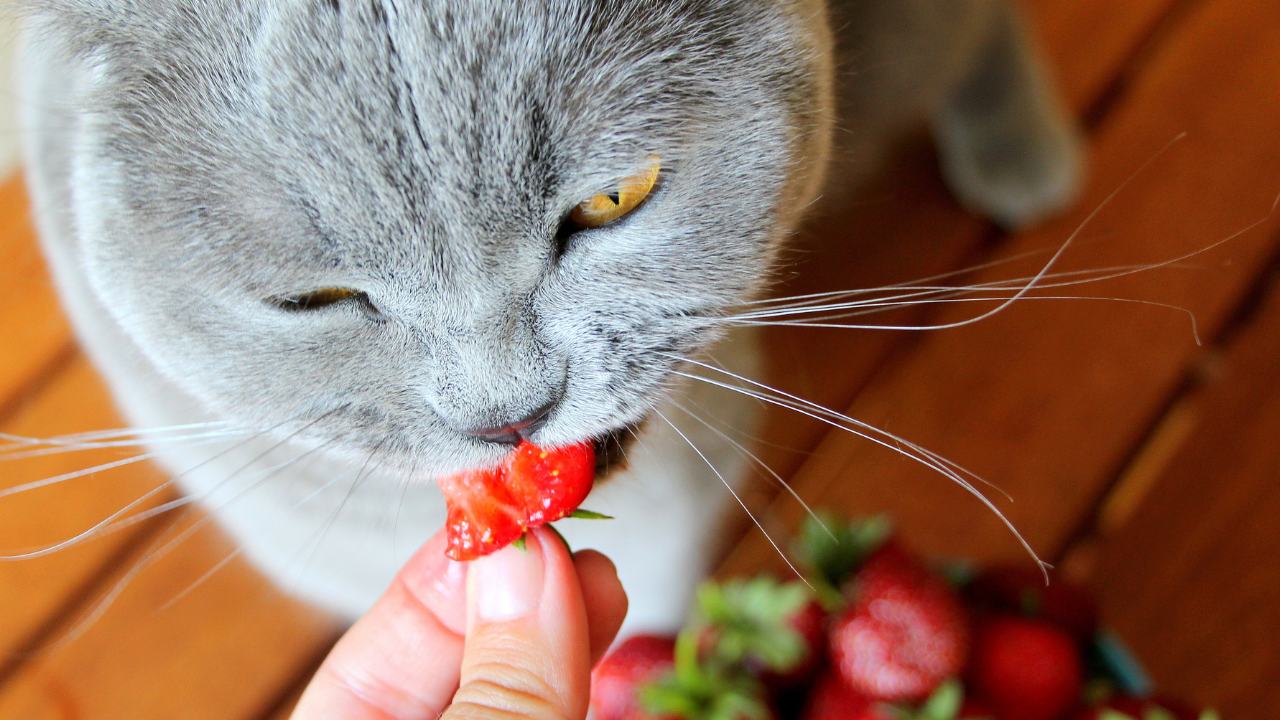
[513,433]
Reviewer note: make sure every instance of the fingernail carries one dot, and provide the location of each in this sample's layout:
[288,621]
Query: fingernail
[439,583]
[448,578]
[509,582]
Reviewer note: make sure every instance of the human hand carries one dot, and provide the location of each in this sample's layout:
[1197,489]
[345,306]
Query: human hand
[511,635]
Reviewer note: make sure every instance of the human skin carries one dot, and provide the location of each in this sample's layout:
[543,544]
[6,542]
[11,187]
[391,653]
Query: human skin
[513,634]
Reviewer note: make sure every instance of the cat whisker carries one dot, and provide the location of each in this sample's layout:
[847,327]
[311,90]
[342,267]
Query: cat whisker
[925,457]
[45,482]
[201,580]
[118,514]
[776,478]
[928,459]
[395,523]
[1083,277]
[168,541]
[814,302]
[737,497]
[338,511]
[824,321]
[94,437]
[190,499]
[799,404]
[919,282]
[946,291]
[267,474]
[16,454]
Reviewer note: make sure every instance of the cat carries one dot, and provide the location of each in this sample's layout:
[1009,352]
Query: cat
[340,245]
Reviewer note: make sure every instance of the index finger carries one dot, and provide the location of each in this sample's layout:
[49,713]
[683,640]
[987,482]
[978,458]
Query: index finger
[401,660]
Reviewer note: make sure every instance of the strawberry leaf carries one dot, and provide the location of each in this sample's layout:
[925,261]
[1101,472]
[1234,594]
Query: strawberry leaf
[582,514]
[752,619]
[944,703]
[831,550]
[703,691]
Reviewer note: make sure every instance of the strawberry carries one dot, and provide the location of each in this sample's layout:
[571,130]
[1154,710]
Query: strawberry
[903,632]
[774,630]
[832,699]
[1027,669]
[615,682]
[976,709]
[810,622]
[492,508]
[1019,589]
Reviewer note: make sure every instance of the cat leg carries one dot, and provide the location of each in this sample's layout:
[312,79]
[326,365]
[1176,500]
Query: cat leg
[1007,147]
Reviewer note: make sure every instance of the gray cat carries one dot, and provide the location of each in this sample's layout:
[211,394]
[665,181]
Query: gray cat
[367,243]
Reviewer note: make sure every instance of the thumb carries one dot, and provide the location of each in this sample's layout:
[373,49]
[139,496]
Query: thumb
[527,649]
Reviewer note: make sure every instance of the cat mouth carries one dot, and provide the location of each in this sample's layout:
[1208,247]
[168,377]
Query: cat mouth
[611,450]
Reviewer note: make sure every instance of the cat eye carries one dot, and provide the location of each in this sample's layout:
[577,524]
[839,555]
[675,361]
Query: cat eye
[317,299]
[620,200]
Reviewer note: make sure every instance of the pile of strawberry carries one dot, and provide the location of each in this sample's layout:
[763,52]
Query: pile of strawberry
[874,634]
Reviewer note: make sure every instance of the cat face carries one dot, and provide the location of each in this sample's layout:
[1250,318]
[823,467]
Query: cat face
[347,220]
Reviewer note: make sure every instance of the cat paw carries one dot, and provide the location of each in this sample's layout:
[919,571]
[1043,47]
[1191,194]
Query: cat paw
[1015,177]
[1006,146]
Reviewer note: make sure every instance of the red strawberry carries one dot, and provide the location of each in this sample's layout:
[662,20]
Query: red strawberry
[489,509]
[1027,669]
[1006,589]
[615,681]
[832,699]
[976,709]
[904,631]
[811,623]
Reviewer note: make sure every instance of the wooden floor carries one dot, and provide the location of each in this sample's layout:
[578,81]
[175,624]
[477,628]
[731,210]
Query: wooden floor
[1144,463]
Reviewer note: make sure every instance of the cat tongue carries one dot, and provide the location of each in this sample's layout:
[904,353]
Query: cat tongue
[492,508]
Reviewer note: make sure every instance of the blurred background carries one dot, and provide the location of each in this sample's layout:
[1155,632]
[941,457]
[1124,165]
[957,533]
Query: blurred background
[1132,416]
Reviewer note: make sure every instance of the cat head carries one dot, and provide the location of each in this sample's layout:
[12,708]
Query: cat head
[354,220]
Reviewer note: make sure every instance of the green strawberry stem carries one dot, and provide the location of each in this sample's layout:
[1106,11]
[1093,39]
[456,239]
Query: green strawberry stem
[751,619]
[943,704]
[830,550]
[580,514]
[522,543]
[701,688]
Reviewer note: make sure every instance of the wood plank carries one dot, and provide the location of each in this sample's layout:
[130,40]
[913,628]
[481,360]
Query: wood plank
[1190,580]
[907,226]
[1088,43]
[33,330]
[1048,398]
[34,592]
[227,649]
